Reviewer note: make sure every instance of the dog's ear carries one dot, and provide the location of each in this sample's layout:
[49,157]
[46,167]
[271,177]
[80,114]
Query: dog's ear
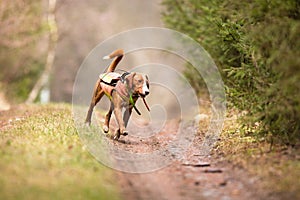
[147,82]
[129,80]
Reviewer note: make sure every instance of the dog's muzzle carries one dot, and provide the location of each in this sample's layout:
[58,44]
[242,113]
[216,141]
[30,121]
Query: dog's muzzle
[143,95]
[145,89]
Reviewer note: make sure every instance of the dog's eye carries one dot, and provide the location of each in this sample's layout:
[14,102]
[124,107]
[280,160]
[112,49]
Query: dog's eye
[140,81]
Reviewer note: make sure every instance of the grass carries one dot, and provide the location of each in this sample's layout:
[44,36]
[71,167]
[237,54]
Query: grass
[277,168]
[41,157]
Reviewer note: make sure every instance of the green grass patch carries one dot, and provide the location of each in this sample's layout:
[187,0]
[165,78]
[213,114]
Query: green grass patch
[41,157]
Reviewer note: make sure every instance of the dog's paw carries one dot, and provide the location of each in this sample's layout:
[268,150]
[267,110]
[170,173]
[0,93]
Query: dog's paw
[117,134]
[105,129]
[116,137]
[87,123]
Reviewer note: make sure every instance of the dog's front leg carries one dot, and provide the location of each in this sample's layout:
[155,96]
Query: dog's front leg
[127,115]
[118,114]
[128,112]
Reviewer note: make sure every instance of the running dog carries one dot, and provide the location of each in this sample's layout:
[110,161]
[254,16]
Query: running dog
[123,90]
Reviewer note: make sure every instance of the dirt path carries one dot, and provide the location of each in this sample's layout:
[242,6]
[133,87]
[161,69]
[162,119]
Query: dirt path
[192,177]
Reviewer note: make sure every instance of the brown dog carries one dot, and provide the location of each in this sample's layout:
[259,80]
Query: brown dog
[123,91]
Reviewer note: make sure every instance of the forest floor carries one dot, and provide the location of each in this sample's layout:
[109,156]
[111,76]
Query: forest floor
[41,155]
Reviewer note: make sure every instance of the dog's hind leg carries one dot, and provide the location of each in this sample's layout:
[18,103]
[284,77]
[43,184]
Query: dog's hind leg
[107,118]
[98,94]
[91,108]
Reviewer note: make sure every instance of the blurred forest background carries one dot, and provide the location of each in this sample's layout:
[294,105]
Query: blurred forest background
[26,34]
[256,45]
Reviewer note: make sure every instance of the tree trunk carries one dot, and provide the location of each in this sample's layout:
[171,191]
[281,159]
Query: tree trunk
[53,37]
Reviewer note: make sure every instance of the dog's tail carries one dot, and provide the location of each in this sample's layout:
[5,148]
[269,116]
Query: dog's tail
[117,55]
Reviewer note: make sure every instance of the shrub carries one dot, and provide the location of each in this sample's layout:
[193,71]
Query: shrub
[256,45]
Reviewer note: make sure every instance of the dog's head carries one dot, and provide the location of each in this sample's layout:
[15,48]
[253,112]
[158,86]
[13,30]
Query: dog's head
[138,84]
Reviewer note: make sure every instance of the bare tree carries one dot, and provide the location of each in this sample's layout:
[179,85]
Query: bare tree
[53,37]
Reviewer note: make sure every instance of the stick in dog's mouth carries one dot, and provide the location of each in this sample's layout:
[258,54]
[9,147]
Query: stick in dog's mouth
[144,100]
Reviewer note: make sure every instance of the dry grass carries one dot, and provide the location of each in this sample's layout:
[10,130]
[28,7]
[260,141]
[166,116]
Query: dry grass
[277,168]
